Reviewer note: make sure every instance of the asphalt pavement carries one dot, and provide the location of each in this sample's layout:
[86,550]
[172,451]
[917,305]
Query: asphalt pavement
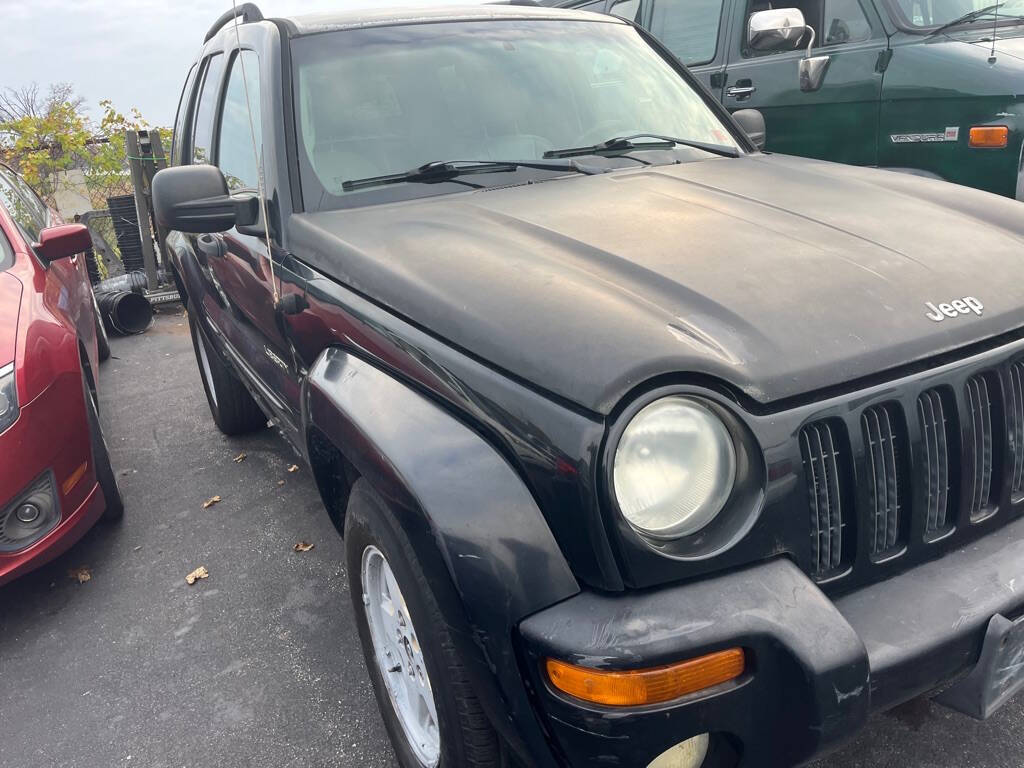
[259,664]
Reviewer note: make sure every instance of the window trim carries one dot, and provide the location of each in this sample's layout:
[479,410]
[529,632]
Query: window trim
[185,102]
[196,101]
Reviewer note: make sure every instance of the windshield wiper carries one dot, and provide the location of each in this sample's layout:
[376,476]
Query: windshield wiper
[448,170]
[967,18]
[622,144]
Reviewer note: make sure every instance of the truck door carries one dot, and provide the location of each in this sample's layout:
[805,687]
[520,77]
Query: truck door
[839,121]
[240,301]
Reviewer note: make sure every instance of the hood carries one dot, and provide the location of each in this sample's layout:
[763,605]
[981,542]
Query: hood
[778,275]
[10,304]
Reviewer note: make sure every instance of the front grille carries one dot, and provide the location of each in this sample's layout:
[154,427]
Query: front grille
[935,434]
[883,447]
[903,474]
[1015,424]
[980,444]
[822,460]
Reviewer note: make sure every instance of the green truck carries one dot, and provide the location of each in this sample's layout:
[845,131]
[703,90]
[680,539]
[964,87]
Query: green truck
[931,87]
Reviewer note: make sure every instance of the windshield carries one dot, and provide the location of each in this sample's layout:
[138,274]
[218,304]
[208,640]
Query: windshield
[926,14]
[385,100]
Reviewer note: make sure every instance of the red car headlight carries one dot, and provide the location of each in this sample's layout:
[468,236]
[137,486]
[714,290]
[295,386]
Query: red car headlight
[8,397]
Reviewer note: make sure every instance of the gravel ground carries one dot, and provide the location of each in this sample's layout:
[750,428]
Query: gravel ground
[258,665]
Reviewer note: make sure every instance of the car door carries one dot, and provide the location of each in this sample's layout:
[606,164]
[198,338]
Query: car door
[237,291]
[248,280]
[839,121]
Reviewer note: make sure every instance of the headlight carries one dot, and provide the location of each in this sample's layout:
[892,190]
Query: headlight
[8,397]
[674,468]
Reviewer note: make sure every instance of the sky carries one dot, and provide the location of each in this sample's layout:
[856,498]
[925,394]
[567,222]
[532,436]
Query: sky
[134,52]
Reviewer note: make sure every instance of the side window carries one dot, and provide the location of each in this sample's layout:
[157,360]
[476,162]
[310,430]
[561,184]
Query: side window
[206,111]
[626,9]
[179,120]
[6,252]
[25,207]
[845,22]
[688,28]
[595,7]
[235,154]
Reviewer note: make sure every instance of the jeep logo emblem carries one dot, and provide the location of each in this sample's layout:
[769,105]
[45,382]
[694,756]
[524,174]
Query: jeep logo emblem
[956,307]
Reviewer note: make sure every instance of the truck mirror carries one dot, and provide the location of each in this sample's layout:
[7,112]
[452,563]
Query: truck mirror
[780,29]
[812,72]
[752,123]
[195,198]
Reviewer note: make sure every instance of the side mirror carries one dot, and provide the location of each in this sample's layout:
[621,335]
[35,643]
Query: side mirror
[776,30]
[752,123]
[812,72]
[62,241]
[195,198]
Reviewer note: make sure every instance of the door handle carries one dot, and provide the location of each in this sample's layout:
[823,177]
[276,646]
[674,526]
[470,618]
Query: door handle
[740,91]
[210,246]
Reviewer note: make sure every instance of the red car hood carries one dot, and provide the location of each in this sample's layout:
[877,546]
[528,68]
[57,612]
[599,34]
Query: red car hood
[10,302]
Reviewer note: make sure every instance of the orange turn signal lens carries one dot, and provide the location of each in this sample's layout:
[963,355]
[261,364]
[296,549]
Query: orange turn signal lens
[989,136]
[635,687]
[73,478]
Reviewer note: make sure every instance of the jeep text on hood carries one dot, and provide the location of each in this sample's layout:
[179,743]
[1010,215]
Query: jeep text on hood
[779,275]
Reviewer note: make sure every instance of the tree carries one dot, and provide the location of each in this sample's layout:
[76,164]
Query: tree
[43,136]
[40,136]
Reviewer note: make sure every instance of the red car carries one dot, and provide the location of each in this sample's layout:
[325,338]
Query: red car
[55,474]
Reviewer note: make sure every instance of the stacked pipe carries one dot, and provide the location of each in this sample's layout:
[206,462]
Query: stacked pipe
[123,303]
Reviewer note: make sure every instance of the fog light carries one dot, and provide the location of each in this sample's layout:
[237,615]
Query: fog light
[685,754]
[27,513]
[30,517]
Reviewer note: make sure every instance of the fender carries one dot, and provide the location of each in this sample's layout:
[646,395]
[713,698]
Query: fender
[477,530]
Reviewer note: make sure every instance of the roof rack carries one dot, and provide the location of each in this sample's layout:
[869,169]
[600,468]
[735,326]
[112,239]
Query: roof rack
[248,11]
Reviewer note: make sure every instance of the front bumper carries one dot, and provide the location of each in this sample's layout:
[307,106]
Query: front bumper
[816,667]
[51,434]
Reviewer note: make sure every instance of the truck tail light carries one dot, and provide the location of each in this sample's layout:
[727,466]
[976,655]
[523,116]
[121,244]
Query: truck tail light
[989,136]
[636,687]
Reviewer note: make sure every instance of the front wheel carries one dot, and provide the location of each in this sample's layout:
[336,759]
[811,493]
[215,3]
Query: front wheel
[429,709]
[233,408]
[114,509]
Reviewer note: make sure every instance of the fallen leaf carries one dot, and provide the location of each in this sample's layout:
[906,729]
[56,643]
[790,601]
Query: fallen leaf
[211,501]
[280,483]
[303,546]
[239,458]
[81,574]
[198,573]
[293,468]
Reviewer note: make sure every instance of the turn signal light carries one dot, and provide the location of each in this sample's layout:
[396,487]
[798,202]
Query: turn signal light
[989,136]
[636,687]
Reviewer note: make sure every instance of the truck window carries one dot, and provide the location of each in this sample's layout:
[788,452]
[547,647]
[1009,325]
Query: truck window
[688,28]
[179,120]
[235,154]
[206,110]
[845,22]
[626,9]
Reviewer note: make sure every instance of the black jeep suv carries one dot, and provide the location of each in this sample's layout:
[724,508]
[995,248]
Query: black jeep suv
[648,448]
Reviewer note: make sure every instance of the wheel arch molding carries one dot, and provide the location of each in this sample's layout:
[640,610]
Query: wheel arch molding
[478,532]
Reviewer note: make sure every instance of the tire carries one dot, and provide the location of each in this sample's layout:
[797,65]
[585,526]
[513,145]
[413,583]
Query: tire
[465,738]
[102,342]
[114,510]
[233,409]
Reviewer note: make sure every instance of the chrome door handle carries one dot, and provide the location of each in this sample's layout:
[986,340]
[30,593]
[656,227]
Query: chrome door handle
[740,91]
